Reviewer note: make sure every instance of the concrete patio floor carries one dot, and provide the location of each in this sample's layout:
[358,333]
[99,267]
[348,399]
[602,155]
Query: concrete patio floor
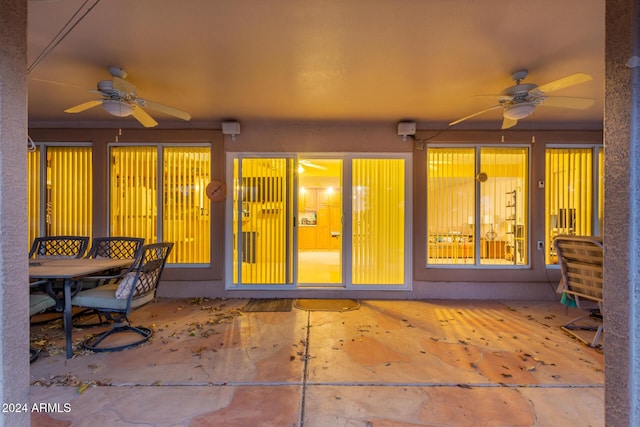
[388,363]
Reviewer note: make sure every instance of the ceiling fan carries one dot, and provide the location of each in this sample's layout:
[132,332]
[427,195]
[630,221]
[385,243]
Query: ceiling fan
[310,164]
[119,98]
[520,100]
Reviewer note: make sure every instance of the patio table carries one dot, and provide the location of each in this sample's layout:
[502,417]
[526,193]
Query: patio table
[71,270]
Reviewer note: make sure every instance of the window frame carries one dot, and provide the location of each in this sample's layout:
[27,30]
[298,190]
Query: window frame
[41,221]
[597,198]
[160,149]
[477,260]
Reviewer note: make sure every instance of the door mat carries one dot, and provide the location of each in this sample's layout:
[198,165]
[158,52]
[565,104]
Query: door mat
[327,304]
[268,304]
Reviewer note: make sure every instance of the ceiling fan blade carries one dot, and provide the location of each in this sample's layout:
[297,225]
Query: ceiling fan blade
[495,107]
[312,165]
[124,86]
[570,80]
[164,109]
[84,106]
[568,102]
[35,79]
[145,119]
[508,123]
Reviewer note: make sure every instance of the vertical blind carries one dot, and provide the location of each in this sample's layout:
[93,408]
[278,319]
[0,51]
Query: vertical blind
[135,202]
[186,205]
[378,209]
[68,191]
[504,205]
[600,191]
[450,205]
[569,194]
[134,192]
[33,193]
[262,210]
[464,229]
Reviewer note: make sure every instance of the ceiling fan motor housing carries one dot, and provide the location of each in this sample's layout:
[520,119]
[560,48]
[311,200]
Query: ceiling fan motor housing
[519,111]
[117,108]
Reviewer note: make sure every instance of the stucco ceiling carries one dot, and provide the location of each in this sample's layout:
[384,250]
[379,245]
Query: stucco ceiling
[315,60]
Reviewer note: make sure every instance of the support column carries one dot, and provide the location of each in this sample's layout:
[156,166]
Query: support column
[622,214]
[14,276]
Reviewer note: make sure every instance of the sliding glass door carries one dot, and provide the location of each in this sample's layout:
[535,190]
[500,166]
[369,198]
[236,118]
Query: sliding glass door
[319,221]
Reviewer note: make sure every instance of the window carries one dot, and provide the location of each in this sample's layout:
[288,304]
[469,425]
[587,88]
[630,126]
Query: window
[477,206]
[60,193]
[573,200]
[159,193]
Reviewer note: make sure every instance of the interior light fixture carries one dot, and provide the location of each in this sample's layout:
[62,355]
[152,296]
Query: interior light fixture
[519,111]
[117,108]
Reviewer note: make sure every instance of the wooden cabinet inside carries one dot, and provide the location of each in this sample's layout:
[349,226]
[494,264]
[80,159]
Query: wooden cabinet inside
[309,199]
[307,237]
[493,249]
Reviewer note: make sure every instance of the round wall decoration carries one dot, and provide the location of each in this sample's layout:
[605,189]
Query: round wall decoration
[482,177]
[217,190]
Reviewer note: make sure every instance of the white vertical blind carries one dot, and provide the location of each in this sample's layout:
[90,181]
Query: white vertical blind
[264,244]
[569,194]
[135,204]
[450,205]
[133,192]
[378,221]
[186,206]
[33,184]
[458,224]
[69,191]
[504,205]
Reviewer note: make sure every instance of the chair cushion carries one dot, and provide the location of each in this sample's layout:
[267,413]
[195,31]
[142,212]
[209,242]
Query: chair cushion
[103,297]
[39,303]
[125,286]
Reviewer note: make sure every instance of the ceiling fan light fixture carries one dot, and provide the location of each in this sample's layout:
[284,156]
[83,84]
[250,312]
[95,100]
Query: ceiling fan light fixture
[117,108]
[519,111]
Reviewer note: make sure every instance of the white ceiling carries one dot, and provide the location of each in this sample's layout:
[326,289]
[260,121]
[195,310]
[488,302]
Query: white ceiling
[326,60]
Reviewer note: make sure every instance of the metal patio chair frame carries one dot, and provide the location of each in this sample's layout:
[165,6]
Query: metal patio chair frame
[59,247]
[143,280]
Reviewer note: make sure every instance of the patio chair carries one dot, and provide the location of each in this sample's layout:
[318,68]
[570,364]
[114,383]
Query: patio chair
[116,300]
[108,247]
[59,247]
[38,303]
[115,247]
[48,247]
[581,266]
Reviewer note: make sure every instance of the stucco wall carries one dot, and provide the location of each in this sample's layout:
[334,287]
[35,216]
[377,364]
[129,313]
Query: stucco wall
[621,219]
[14,327]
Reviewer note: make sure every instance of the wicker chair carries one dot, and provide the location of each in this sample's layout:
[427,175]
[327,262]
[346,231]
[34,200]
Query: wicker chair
[116,300]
